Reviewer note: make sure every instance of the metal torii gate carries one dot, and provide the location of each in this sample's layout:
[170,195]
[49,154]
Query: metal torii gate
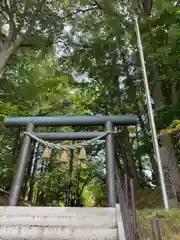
[109,122]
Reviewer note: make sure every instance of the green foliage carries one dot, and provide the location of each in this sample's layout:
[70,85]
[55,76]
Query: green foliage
[80,61]
[169,223]
[174,127]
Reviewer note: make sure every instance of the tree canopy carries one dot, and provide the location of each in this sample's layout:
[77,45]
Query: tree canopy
[81,58]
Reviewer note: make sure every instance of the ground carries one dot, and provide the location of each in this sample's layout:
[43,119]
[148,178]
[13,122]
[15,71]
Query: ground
[150,206]
[169,223]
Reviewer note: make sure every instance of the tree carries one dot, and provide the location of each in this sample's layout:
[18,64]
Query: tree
[39,82]
[108,58]
[114,85]
[34,24]
[161,58]
[32,85]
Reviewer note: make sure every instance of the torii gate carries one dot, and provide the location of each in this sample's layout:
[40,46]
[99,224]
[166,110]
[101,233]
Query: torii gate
[109,122]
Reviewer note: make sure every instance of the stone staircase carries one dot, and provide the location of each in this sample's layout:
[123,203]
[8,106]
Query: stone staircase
[60,223]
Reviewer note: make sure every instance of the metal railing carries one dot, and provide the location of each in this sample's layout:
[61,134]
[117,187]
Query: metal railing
[128,215]
[127,205]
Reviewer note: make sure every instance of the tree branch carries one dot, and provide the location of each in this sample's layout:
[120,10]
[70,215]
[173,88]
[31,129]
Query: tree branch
[80,11]
[24,14]
[44,112]
[90,177]
[32,19]
[3,14]
[96,3]
[12,25]
[13,6]
[58,41]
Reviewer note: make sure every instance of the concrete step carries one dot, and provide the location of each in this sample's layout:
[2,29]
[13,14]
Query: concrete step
[58,223]
[56,211]
[67,221]
[56,233]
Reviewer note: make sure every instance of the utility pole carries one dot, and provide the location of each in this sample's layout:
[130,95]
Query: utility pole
[151,116]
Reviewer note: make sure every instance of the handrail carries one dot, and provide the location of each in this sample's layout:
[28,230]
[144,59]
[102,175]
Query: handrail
[130,229]
[126,217]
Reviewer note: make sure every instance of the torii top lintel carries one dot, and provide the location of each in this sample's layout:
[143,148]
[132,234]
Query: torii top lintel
[70,120]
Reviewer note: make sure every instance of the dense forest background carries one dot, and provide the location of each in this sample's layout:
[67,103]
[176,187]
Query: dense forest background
[81,58]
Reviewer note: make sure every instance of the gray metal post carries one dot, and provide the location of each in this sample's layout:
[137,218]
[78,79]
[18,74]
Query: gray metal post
[110,156]
[156,229]
[133,202]
[151,116]
[21,168]
[126,189]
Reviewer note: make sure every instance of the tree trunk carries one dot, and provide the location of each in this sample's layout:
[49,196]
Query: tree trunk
[4,57]
[131,165]
[174,94]
[168,158]
[32,179]
[6,51]
[170,169]
[16,147]
[155,175]
[158,95]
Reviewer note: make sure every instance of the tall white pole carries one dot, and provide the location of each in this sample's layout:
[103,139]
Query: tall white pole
[151,116]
